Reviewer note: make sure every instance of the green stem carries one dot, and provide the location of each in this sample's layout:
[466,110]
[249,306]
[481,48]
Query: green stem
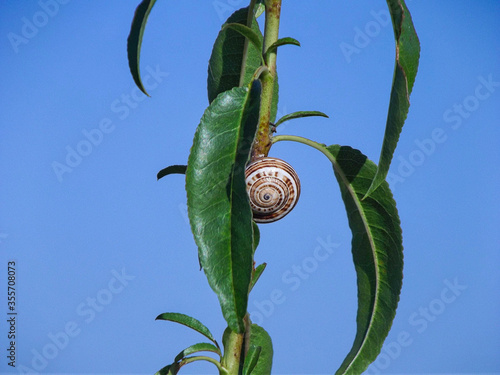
[187,360]
[318,146]
[263,138]
[232,353]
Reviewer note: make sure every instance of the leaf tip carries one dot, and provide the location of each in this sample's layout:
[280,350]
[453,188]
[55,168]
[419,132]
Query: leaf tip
[134,40]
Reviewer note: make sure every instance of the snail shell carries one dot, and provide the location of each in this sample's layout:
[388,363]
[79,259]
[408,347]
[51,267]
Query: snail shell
[273,188]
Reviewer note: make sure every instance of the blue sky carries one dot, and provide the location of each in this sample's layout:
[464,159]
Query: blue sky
[101,248]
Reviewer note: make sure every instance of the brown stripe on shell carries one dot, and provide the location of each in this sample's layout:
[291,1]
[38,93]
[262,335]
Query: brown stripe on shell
[281,179]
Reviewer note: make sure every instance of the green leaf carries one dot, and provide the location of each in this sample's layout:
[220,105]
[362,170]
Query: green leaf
[251,359]
[134,40]
[257,273]
[254,37]
[188,322]
[171,369]
[200,347]
[299,114]
[259,8]
[282,42]
[274,104]
[377,248]
[218,206]
[256,236]
[405,71]
[175,367]
[228,57]
[172,169]
[260,338]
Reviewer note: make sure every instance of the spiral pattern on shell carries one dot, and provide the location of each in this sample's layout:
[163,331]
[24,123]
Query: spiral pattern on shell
[273,188]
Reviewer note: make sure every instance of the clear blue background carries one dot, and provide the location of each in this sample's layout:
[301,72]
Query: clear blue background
[70,236]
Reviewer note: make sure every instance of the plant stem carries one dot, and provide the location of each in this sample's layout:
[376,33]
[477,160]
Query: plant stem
[187,360]
[236,345]
[263,138]
[232,353]
[318,146]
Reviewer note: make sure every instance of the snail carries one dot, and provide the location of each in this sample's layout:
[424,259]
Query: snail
[273,188]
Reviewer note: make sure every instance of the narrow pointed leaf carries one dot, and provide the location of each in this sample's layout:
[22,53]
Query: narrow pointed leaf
[377,248]
[254,37]
[228,57]
[300,114]
[274,104]
[172,169]
[171,369]
[405,71]
[134,40]
[257,273]
[256,236]
[200,347]
[188,322]
[251,359]
[218,206]
[282,42]
[259,8]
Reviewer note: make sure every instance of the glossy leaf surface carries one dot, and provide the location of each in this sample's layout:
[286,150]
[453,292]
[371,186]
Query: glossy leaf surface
[188,322]
[255,37]
[218,206]
[377,248]
[405,71]
[228,57]
[134,40]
